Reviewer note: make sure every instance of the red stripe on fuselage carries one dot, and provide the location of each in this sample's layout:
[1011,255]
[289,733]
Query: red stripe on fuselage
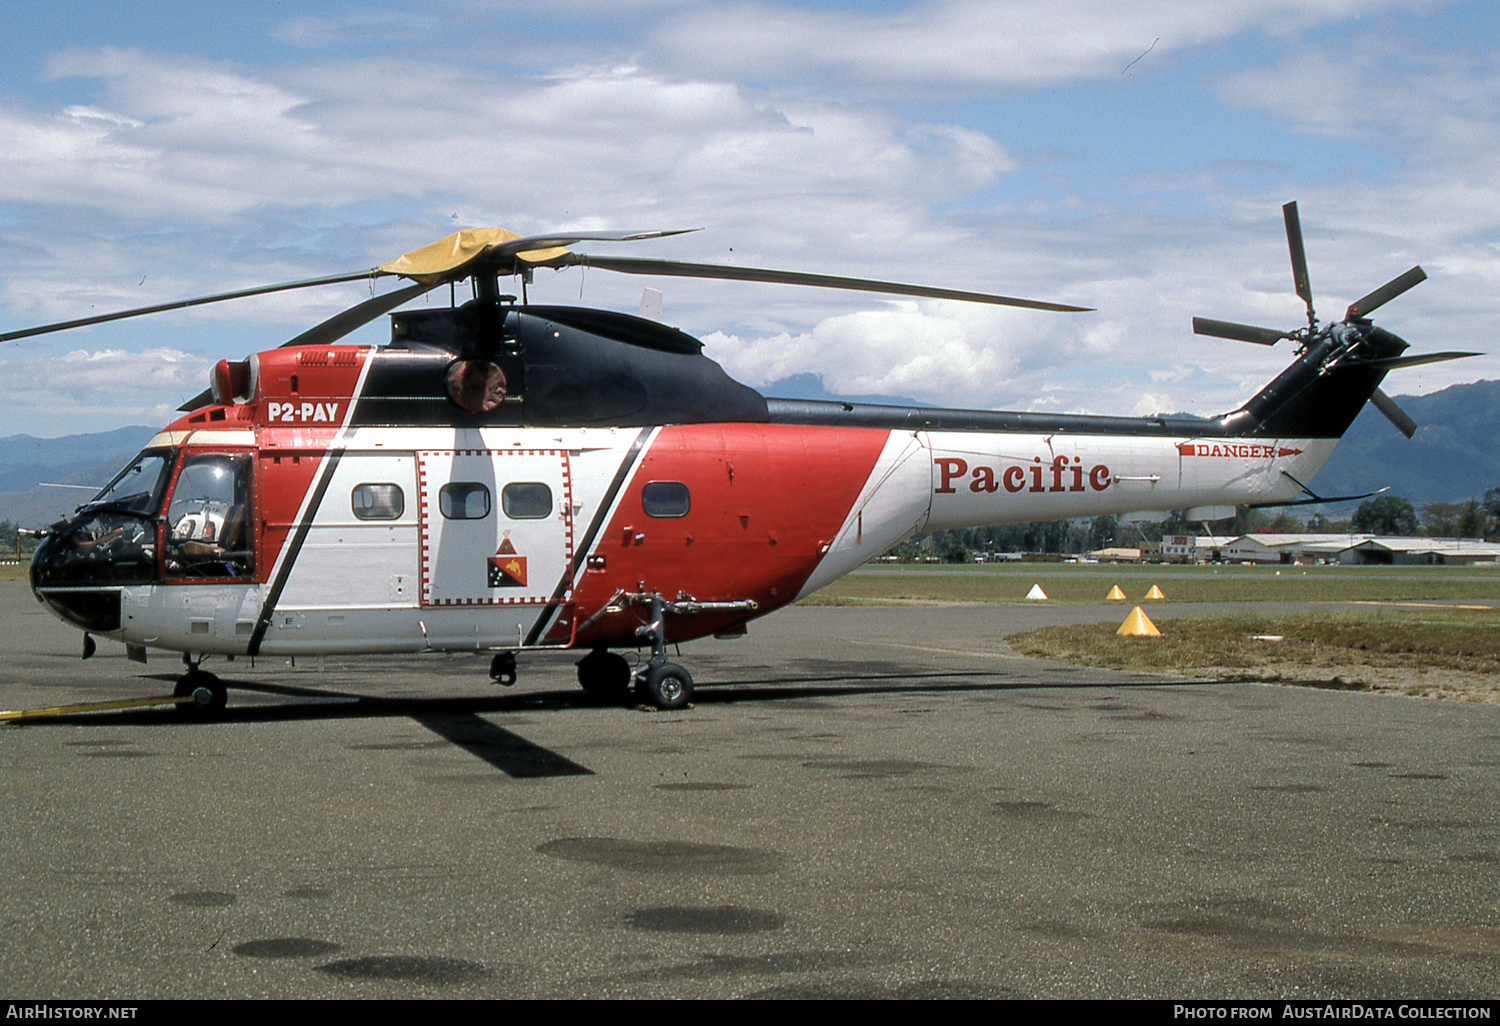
[766,501]
[304,396]
[302,399]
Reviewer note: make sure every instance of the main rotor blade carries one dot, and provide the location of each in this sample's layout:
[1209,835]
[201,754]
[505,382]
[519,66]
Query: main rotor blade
[331,330]
[1397,416]
[197,402]
[181,304]
[678,269]
[559,239]
[1299,257]
[1238,332]
[340,324]
[1387,292]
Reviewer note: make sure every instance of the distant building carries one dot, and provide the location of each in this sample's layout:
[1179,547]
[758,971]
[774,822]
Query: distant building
[1290,548]
[1116,555]
[1358,549]
[1421,552]
[1193,548]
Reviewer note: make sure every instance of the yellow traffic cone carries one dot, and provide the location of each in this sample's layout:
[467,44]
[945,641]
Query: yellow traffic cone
[1115,595]
[1138,625]
[1155,593]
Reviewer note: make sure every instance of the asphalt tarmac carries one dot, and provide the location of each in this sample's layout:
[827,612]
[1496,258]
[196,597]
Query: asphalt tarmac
[864,802]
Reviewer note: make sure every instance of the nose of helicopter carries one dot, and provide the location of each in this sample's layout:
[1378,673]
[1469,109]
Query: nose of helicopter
[79,567]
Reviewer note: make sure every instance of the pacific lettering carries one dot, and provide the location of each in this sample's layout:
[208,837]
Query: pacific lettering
[950,467]
[1066,475]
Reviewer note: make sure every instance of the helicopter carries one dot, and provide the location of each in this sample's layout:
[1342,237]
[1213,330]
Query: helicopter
[503,478]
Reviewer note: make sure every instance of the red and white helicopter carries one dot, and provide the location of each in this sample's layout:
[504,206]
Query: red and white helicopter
[504,477]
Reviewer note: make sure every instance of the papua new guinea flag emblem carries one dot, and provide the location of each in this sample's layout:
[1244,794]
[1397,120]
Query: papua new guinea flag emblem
[506,569]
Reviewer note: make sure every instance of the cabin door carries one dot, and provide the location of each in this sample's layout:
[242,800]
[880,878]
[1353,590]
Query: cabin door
[497,526]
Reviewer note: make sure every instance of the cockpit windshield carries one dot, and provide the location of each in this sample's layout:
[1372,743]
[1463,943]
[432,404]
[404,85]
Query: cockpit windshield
[112,540]
[138,487]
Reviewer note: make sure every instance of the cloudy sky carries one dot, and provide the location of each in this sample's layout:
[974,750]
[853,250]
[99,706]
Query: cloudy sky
[1130,157]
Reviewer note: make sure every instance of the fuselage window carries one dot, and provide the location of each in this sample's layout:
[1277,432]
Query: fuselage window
[464,500]
[526,500]
[666,499]
[378,502]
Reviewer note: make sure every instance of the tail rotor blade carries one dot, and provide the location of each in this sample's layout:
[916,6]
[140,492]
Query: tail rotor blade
[1387,292]
[1397,362]
[1299,257]
[1397,416]
[1238,332]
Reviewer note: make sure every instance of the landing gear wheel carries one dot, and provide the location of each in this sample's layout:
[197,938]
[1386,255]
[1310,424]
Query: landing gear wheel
[667,686]
[208,692]
[503,669]
[605,675]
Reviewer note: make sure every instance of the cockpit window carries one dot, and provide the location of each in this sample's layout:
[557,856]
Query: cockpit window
[207,518]
[138,487]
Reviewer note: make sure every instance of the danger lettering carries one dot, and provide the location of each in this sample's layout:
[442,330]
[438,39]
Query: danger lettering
[1062,474]
[1241,450]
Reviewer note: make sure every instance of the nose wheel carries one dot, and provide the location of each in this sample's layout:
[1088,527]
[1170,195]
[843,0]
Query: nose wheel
[503,669]
[208,693]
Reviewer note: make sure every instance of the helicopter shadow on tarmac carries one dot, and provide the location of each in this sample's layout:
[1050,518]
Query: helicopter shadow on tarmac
[460,719]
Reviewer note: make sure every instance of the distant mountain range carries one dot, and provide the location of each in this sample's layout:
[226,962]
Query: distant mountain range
[31,468]
[1451,458]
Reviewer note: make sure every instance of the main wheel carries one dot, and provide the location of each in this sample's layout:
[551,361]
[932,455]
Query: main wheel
[208,692]
[605,675]
[667,686]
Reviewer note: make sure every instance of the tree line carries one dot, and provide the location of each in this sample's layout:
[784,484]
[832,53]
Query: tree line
[9,547]
[1388,515]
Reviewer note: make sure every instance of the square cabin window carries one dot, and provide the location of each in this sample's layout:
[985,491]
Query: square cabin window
[666,499]
[378,501]
[526,500]
[464,500]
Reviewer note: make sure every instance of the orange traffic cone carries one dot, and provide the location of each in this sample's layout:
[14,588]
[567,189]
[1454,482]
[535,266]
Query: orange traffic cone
[1138,625]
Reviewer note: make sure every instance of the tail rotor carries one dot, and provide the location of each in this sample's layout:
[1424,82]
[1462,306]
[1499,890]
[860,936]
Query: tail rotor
[1355,341]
